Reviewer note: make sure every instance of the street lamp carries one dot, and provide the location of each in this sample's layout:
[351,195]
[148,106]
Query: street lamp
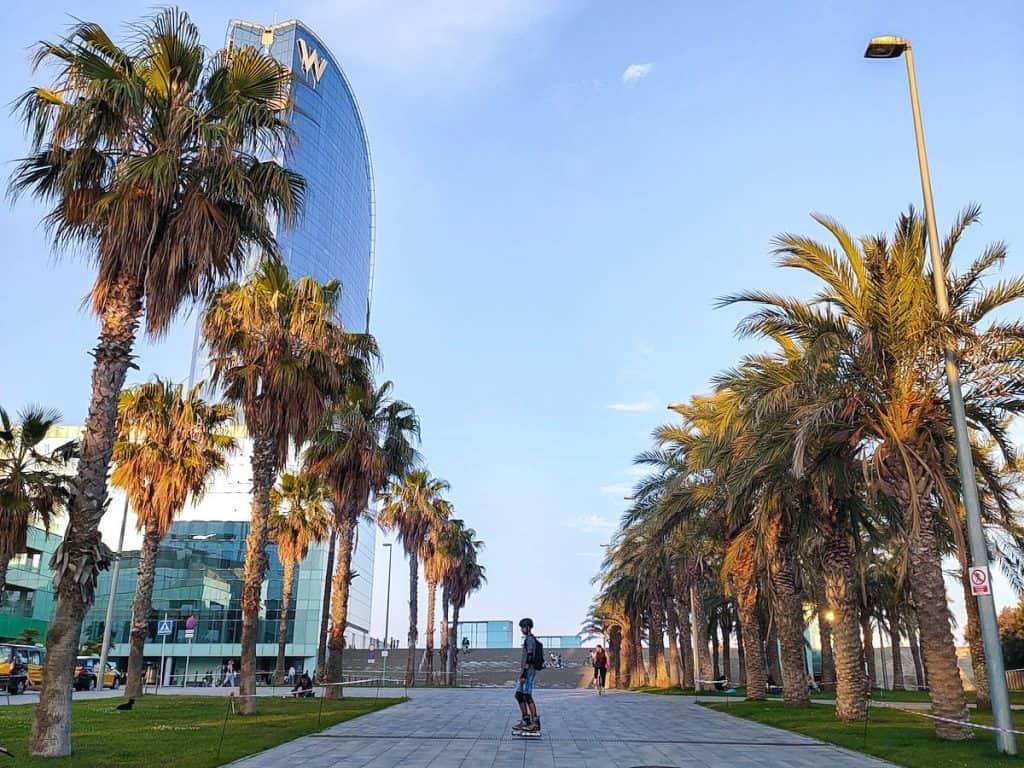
[387,617]
[108,622]
[890,47]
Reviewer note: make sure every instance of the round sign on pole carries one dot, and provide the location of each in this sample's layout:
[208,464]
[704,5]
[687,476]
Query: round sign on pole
[191,621]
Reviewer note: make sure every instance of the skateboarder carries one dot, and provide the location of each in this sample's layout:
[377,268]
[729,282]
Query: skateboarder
[532,660]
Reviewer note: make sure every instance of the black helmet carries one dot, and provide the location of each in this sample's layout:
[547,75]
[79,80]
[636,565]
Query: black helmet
[528,623]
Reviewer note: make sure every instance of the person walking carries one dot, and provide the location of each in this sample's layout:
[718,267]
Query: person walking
[532,661]
[600,661]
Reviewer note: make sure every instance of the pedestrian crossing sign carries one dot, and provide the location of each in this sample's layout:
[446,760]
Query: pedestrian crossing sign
[165,627]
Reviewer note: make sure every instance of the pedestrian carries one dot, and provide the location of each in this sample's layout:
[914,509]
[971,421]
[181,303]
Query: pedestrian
[291,674]
[532,660]
[303,688]
[229,673]
[600,661]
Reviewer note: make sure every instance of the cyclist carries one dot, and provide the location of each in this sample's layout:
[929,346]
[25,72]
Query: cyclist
[600,661]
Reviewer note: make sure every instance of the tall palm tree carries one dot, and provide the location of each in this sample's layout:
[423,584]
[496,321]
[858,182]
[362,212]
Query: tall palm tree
[277,353]
[439,558]
[149,156]
[169,444]
[300,516]
[33,485]
[412,506]
[365,442]
[874,322]
[464,579]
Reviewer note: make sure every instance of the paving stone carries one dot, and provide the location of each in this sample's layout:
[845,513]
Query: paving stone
[470,728]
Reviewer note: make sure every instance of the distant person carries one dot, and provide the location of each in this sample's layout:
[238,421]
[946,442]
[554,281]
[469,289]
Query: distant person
[599,660]
[291,674]
[532,661]
[304,688]
[208,678]
[465,644]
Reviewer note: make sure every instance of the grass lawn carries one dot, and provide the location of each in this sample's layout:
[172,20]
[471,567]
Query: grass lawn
[673,690]
[182,731]
[901,738]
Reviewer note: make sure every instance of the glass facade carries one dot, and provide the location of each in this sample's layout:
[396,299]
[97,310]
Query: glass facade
[28,593]
[334,238]
[199,571]
[486,634]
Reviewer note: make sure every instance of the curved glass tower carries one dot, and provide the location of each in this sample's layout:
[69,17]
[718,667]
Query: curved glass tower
[334,237]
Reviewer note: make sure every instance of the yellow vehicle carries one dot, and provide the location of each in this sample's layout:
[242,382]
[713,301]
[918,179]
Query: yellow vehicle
[21,666]
[85,674]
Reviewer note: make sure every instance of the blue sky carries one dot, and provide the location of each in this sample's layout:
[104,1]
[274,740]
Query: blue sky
[563,188]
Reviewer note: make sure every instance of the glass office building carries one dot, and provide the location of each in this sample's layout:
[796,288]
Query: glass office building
[199,572]
[500,634]
[334,238]
[28,593]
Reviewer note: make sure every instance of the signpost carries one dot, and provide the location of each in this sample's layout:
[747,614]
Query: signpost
[164,627]
[980,582]
[190,632]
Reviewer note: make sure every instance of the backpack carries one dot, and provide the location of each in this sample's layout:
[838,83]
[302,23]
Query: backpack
[538,655]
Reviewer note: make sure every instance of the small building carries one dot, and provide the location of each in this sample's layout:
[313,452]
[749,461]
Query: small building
[504,634]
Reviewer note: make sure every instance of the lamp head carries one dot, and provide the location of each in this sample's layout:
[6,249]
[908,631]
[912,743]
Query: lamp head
[886,47]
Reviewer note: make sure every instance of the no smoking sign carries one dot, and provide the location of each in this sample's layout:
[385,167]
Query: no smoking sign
[980,583]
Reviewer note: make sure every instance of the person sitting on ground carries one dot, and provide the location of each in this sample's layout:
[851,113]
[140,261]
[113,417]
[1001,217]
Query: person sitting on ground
[304,688]
[721,683]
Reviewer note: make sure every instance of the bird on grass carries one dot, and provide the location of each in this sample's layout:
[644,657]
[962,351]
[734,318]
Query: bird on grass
[126,707]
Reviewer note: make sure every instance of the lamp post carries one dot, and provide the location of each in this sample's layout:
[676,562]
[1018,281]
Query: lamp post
[105,646]
[387,618]
[892,48]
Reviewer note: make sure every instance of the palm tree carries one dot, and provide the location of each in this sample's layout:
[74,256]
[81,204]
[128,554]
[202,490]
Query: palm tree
[365,442]
[874,324]
[32,483]
[413,506]
[299,517]
[278,355]
[464,579]
[149,158]
[439,558]
[169,443]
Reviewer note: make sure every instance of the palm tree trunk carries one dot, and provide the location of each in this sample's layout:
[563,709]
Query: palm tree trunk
[725,623]
[141,608]
[716,667]
[453,647]
[685,634]
[868,638]
[659,672]
[641,676]
[628,653]
[263,472]
[744,584]
[929,592]
[895,642]
[673,645]
[789,615]
[325,610]
[844,630]
[741,654]
[771,652]
[5,561]
[615,655]
[339,602]
[82,553]
[972,633]
[828,662]
[915,652]
[414,585]
[443,656]
[282,620]
[428,675]
[700,632]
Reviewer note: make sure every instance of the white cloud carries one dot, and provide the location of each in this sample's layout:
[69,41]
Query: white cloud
[635,72]
[638,406]
[447,41]
[593,524]
[616,489]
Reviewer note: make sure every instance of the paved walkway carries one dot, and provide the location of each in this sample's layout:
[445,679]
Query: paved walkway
[470,729]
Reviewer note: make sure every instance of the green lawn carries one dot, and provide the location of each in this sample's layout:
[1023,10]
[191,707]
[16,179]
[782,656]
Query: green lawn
[178,731]
[673,690]
[899,737]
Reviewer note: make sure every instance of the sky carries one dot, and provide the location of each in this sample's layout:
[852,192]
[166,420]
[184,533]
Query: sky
[563,189]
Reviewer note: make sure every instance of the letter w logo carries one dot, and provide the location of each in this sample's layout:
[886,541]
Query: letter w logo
[311,62]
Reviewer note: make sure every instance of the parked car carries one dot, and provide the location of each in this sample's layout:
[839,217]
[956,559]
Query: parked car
[21,666]
[85,678]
